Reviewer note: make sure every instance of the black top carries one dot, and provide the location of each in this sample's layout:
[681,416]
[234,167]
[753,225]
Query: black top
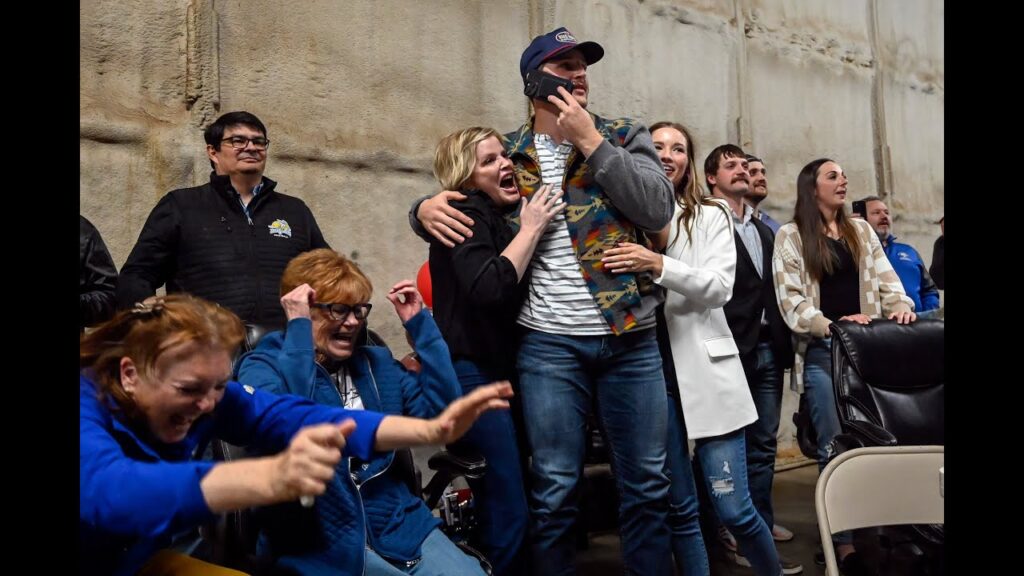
[476,292]
[840,291]
[97,276]
[938,267]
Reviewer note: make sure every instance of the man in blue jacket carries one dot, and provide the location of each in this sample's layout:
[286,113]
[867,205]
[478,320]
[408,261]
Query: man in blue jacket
[905,260]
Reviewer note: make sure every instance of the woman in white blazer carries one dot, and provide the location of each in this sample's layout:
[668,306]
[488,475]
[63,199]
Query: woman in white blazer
[714,402]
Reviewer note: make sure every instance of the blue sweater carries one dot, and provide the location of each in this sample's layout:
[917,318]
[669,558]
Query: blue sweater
[136,492]
[365,503]
[917,283]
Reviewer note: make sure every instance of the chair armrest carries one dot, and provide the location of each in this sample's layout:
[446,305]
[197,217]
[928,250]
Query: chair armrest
[842,443]
[869,434]
[468,466]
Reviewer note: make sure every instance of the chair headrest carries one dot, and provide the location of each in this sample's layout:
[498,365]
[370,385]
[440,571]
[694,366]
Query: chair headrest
[255,332]
[892,355]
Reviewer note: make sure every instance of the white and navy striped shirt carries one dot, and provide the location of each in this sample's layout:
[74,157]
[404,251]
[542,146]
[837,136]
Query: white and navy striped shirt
[558,300]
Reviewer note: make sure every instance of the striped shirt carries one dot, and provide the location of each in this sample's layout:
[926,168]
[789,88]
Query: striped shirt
[558,300]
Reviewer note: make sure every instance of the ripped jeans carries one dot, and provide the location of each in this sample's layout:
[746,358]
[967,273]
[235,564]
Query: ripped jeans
[724,461]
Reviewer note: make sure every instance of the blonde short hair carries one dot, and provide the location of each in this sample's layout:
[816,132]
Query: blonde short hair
[455,156]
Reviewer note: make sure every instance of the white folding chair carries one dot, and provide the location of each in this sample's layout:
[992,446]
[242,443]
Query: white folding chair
[879,486]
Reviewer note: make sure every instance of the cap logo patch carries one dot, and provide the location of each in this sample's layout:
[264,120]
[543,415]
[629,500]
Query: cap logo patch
[565,37]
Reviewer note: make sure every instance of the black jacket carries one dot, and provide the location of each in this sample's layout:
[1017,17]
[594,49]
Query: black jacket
[198,240]
[97,276]
[938,267]
[476,291]
[752,294]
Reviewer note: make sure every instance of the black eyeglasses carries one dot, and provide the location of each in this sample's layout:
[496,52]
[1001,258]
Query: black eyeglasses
[340,311]
[239,142]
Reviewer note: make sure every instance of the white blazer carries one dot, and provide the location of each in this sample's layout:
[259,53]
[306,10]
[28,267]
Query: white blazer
[699,276]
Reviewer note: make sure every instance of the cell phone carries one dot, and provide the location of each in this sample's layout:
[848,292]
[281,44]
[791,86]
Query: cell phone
[540,85]
[859,208]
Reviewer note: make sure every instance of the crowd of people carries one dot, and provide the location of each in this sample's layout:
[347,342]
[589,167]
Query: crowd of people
[580,269]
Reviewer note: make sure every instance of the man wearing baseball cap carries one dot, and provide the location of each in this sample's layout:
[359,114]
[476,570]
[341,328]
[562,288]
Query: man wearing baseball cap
[588,333]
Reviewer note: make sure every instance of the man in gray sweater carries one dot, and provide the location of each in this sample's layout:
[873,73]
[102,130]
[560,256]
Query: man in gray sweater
[588,334]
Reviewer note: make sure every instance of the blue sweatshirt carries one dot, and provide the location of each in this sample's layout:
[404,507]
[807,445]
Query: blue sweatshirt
[917,283]
[135,492]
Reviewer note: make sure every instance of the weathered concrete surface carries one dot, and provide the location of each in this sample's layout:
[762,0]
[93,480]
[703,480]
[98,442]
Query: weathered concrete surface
[911,54]
[356,94]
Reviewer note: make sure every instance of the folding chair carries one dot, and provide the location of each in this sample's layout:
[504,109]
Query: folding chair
[879,486]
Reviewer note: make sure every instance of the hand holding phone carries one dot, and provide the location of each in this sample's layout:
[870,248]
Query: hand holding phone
[859,209]
[540,85]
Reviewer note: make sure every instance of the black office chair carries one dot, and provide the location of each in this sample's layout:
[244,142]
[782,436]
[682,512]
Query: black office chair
[889,382]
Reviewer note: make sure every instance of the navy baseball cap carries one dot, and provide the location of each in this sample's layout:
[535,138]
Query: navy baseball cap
[547,46]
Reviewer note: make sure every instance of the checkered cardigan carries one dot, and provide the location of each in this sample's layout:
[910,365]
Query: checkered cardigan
[799,295]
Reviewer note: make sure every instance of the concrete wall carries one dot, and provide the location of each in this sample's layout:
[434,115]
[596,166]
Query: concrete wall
[356,94]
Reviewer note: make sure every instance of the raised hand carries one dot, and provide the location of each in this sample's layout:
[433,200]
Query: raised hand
[296,303]
[575,122]
[462,413]
[406,300]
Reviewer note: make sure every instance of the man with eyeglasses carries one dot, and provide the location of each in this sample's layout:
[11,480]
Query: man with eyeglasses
[229,240]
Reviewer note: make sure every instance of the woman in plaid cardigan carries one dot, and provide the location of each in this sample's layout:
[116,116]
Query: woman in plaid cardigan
[828,266]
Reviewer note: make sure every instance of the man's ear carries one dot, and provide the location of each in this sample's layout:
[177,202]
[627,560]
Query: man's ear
[711,180]
[129,375]
[211,153]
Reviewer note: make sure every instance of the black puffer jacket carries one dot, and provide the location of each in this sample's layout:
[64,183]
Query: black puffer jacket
[198,240]
[97,276]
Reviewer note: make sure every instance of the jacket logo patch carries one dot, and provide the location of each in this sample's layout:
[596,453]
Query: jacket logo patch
[249,389]
[280,228]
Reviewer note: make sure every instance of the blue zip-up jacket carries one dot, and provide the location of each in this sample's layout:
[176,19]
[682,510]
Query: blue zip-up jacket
[913,274]
[371,505]
[135,492]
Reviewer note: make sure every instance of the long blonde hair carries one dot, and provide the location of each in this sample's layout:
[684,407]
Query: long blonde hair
[688,194]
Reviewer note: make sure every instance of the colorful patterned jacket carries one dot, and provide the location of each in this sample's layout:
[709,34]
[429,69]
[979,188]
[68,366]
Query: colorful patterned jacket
[619,189]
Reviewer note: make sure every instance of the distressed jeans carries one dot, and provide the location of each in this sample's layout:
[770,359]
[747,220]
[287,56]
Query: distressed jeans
[724,462]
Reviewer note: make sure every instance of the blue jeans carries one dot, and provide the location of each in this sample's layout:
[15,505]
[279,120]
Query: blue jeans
[439,557]
[765,381]
[724,463]
[821,399]
[500,499]
[684,511]
[560,378]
